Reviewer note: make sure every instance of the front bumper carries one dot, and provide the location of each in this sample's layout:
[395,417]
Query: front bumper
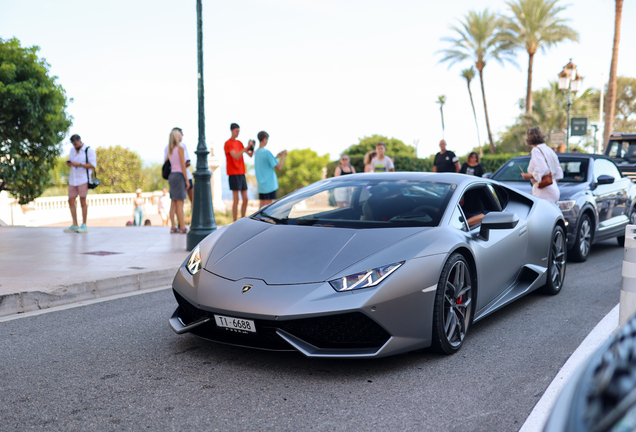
[312,318]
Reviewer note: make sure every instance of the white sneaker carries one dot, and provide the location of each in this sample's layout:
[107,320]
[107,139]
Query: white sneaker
[82,229]
[71,229]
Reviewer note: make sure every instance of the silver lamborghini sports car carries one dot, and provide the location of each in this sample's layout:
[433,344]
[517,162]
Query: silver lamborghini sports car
[370,265]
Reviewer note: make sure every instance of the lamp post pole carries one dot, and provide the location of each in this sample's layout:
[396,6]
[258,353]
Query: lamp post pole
[567,129]
[203,222]
[569,82]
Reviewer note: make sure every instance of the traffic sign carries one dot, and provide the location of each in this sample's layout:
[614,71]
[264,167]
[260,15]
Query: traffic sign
[579,126]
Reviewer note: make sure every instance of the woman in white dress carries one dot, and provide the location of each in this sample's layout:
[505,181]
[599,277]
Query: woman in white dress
[543,161]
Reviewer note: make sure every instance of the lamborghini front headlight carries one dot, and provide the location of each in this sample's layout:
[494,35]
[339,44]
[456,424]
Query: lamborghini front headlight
[365,279]
[193,265]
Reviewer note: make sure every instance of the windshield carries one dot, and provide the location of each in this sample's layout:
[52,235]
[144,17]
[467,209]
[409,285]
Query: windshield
[362,204]
[574,170]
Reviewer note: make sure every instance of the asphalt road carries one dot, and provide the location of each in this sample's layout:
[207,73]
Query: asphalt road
[117,366]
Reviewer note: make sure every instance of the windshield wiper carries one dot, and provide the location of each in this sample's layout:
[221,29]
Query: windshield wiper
[269,219]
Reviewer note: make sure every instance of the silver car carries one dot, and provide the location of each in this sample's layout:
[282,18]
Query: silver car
[371,265]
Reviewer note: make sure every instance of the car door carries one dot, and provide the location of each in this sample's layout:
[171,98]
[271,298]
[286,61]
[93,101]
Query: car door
[611,199]
[500,258]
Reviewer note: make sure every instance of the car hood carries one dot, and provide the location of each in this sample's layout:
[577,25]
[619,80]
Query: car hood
[567,190]
[292,254]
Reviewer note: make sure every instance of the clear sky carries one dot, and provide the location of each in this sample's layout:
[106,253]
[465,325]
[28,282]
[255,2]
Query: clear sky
[314,74]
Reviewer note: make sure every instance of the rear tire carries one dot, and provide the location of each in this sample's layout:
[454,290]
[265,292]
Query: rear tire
[557,259]
[583,242]
[453,311]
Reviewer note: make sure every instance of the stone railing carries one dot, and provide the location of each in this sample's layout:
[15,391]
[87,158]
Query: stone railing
[51,210]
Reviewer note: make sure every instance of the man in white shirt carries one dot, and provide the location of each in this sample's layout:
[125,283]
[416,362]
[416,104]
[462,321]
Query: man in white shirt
[82,161]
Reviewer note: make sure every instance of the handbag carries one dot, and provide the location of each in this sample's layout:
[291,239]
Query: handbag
[166,169]
[92,184]
[546,180]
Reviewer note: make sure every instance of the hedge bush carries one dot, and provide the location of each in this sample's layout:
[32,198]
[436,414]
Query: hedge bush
[491,163]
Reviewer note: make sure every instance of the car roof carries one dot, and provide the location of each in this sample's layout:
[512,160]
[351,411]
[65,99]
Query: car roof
[574,155]
[451,178]
[620,135]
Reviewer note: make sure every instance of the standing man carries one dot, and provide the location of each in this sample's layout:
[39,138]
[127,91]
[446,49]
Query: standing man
[82,161]
[234,150]
[445,160]
[381,162]
[264,165]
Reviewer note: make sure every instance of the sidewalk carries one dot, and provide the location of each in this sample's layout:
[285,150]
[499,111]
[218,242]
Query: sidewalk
[46,267]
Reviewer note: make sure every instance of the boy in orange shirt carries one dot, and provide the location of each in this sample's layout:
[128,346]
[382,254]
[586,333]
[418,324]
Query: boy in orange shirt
[234,150]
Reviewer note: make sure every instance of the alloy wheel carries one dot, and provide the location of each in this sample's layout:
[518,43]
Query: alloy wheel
[585,237]
[457,303]
[558,259]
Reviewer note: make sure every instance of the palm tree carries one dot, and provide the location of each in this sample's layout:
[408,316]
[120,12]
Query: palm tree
[477,38]
[469,75]
[611,85]
[441,100]
[535,25]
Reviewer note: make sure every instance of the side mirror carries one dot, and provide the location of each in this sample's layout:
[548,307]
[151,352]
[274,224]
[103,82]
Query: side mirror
[497,220]
[605,179]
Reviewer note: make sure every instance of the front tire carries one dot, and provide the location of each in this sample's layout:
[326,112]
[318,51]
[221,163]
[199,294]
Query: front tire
[583,242]
[453,311]
[556,262]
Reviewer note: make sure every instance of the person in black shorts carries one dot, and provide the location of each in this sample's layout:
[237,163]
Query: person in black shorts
[445,160]
[234,151]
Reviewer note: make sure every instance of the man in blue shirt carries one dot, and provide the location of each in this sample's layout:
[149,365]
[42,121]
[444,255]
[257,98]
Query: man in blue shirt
[264,164]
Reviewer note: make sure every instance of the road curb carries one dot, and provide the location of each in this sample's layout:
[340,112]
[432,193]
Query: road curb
[28,301]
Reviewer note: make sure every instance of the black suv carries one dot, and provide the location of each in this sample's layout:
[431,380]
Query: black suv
[596,200]
[621,149]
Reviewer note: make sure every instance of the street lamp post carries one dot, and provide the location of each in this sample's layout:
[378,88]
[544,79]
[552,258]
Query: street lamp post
[203,222]
[569,83]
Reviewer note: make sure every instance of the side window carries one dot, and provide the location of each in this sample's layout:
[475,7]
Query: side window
[458,220]
[616,149]
[603,166]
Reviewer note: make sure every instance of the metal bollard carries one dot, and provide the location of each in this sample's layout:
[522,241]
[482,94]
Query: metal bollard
[628,289]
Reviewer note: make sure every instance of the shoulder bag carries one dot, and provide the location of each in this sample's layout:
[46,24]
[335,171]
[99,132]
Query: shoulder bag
[92,184]
[546,180]
[166,169]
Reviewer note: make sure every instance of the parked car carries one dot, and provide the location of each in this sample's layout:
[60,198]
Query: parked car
[601,395]
[596,200]
[411,261]
[621,148]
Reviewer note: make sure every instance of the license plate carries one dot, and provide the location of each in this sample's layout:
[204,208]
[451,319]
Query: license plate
[235,324]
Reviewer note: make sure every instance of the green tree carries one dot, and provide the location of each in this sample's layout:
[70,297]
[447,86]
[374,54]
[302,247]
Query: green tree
[469,75]
[153,180]
[549,114]
[33,121]
[119,170]
[534,25]
[625,118]
[394,147]
[301,168]
[478,38]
